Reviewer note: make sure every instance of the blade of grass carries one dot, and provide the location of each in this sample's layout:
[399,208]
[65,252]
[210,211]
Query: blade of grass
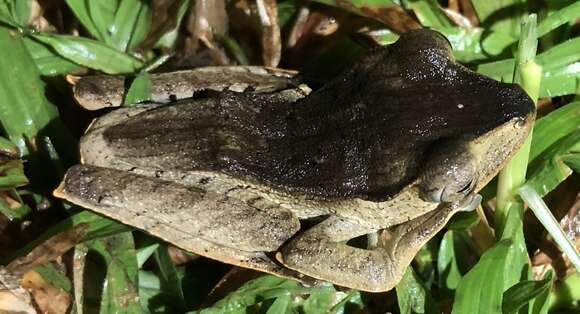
[429,13]
[545,216]
[556,19]
[170,280]
[560,64]
[553,127]
[514,173]
[503,16]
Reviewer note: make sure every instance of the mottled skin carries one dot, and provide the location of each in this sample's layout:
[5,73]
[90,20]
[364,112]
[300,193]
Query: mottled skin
[401,141]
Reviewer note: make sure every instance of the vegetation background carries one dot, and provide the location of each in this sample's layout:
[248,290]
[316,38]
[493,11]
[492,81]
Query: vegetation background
[60,258]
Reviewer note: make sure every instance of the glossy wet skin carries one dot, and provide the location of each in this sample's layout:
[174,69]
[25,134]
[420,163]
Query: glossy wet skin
[404,138]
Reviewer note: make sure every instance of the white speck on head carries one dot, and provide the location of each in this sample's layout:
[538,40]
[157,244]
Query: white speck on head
[460,106]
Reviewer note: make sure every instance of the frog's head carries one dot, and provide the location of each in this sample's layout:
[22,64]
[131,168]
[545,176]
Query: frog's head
[475,124]
[458,167]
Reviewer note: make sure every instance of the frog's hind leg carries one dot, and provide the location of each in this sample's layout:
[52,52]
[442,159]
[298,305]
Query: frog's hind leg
[205,223]
[318,252]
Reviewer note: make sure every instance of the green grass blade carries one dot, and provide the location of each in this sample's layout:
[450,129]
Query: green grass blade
[503,16]
[560,64]
[514,173]
[561,17]
[170,279]
[480,291]
[544,215]
[553,127]
[523,293]
[474,43]
[429,13]
[89,53]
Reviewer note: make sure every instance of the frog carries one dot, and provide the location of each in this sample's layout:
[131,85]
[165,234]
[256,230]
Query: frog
[280,180]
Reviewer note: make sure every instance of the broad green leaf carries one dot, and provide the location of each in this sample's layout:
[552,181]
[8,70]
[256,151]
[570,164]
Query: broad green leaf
[481,289]
[27,117]
[21,11]
[139,90]
[102,14]
[49,63]
[119,293]
[524,292]
[412,295]
[15,13]
[553,127]
[81,10]
[89,53]
[130,25]
[555,164]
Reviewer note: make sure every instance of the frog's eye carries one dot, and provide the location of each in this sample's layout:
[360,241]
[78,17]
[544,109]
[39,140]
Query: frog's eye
[466,189]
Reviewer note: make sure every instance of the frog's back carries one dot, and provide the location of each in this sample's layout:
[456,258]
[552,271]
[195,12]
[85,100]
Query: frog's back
[364,135]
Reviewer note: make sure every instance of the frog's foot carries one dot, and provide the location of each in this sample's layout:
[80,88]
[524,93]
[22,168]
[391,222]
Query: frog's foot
[318,253]
[204,223]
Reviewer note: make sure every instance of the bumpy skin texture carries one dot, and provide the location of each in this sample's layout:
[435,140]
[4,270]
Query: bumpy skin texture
[402,140]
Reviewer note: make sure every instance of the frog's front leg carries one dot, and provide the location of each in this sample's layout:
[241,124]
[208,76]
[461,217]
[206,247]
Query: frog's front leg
[318,252]
[207,223]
